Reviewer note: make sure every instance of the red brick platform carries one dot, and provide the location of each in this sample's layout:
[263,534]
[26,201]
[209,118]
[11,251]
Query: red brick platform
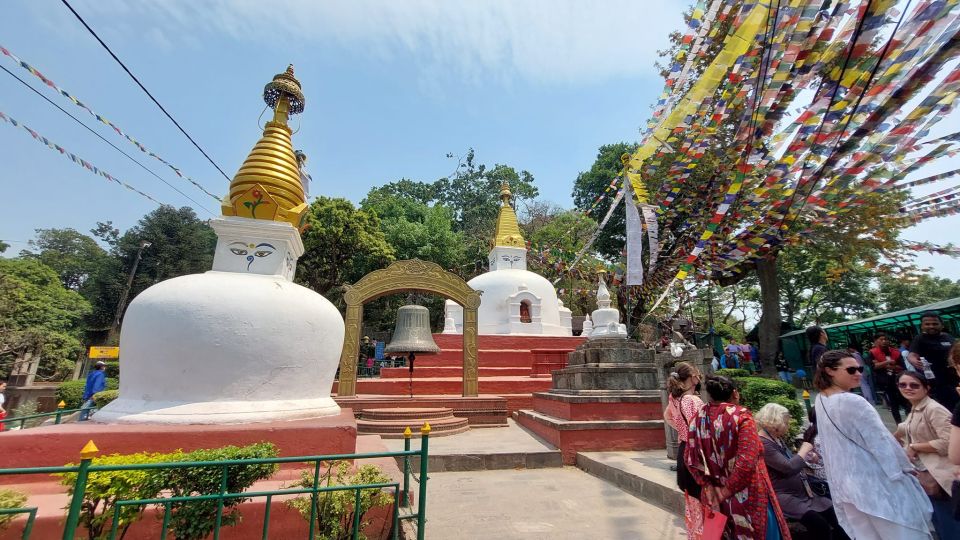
[480,411]
[52,446]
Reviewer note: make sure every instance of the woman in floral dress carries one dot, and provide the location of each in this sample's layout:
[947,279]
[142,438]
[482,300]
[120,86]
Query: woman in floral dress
[725,456]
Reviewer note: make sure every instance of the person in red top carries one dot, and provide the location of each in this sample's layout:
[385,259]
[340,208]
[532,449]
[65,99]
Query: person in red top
[887,367]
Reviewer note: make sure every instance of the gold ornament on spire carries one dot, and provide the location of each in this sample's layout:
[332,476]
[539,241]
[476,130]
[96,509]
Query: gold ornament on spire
[268,184]
[508,231]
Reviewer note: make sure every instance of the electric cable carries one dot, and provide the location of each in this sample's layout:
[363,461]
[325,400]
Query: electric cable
[142,87]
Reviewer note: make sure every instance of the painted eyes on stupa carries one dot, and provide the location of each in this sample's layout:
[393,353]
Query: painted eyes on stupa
[238,251]
[262,253]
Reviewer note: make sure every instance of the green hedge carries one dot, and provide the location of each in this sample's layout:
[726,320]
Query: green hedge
[189,520]
[733,373]
[71,392]
[755,392]
[100,399]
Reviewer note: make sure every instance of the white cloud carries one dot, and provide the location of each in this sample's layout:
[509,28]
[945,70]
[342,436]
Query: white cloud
[543,41]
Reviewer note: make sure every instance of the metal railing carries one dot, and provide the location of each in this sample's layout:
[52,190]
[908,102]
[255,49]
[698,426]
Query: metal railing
[22,420]
[400,498]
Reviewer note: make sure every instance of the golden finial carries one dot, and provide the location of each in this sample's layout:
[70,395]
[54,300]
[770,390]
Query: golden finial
[505,192]
[89,451]
[62,404]
[507,233]
[407,433]
[425,430]
[268,185]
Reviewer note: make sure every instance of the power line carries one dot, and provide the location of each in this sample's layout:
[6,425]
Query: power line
[142,87]
[128,156]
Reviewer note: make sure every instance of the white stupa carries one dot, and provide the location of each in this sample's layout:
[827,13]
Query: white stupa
[515,301]
[606,320]
[240,343]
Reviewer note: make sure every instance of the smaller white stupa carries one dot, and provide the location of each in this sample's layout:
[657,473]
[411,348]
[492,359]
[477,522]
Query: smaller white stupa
[606,320]
[515,301]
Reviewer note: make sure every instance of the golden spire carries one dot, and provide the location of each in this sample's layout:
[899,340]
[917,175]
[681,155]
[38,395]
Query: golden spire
[268,186]
[508,231]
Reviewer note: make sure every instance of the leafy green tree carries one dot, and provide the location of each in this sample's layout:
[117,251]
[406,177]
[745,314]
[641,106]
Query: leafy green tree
[73,255]
[180,244]
[415,229]
[590,184]
[342,244]
[473,194]
[38,316]
[895,293]
[4,246]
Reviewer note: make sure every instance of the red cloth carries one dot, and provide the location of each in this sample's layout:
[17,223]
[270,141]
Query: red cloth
[724,449]
[880,355]
[2,416]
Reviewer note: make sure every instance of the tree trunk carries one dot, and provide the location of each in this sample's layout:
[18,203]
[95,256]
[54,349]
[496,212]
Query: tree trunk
[770,313]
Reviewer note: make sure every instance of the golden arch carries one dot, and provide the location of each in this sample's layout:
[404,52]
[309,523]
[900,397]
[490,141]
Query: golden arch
[404,276]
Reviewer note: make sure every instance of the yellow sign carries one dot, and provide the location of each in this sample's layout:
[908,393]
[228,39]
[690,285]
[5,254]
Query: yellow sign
[104,352]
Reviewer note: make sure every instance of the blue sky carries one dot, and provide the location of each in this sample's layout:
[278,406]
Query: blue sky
[391,88]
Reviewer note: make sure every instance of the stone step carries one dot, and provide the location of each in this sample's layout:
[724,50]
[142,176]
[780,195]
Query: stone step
[392,426]
[407,413]
[450,385]
[449,371]
[645,474]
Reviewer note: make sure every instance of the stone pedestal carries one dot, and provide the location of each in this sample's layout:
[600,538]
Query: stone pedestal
[607,398]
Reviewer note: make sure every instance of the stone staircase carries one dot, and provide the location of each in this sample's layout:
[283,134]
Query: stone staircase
[391,423]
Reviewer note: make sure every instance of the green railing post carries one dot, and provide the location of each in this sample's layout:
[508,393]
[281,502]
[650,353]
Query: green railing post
[223,490]
[87,454]
[356,513]
[60,406]
[806,402]
[422,503]
[405,496]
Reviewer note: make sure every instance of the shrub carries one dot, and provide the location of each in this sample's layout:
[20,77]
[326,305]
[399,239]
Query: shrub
[335,509]
[105,489]
[71,392]
[755,392]
[732,372]
[100,399]
[113,369]
[9,499]
[189,520]
[197,519]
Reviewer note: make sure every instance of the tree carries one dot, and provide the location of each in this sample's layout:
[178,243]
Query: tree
[38,316]
[591,184]
[342,244]
[473,195]
[180,244]
[73,255]
[896,293]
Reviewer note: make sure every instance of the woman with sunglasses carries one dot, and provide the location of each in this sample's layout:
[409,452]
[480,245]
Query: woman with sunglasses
[926,436]
[875,492]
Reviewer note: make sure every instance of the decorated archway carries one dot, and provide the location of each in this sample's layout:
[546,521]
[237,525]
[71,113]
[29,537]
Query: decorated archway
[400,277]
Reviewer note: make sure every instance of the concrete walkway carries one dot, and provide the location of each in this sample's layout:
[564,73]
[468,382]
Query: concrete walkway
[555,504]
[510,447]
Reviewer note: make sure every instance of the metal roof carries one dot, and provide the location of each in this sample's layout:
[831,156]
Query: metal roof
[896,317]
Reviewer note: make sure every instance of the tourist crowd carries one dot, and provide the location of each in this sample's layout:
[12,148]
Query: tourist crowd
[849,475]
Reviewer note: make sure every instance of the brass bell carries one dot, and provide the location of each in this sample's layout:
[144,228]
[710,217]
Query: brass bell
[412,333]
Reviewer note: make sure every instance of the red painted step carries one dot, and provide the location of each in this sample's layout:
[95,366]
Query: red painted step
[450,371]
[392,422]
[451,386]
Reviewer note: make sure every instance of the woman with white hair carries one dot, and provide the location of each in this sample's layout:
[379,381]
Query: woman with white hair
[797,499]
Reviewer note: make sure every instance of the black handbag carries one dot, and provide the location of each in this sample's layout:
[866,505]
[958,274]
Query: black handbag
[818,486]
[685,481]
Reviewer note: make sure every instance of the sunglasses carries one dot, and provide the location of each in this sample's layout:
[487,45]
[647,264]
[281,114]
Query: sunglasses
[851,370]
[910,385]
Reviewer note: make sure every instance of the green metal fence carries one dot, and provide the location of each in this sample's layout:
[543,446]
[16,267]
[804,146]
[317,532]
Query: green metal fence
[400,498]
[22,420]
